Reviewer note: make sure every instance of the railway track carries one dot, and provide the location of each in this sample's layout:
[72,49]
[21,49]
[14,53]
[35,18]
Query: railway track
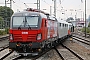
[4,55]
[59,53]
[4,46]
[47,50]
[77,36]
[34,57]
[82,40]
[4,38]
[65,58]
[15,57]
[82,34]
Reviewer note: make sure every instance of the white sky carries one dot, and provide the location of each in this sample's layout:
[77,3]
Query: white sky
[45,4]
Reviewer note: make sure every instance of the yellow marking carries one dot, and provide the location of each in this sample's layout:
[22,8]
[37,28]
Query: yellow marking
[39,49]
[10,49]
[17,45]
[71,39]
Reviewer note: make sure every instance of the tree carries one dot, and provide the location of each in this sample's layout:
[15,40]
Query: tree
[5,13]
[1,18]
[89,24]
[1,22]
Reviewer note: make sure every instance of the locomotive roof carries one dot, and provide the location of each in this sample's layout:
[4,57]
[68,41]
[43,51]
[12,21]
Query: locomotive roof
[62,21]
[26,13]
[69,23]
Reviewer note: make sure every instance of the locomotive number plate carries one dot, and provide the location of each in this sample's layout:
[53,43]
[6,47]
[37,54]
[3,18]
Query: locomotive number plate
[24,32]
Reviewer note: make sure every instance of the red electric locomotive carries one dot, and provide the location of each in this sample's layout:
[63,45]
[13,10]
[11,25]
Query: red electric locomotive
[31,31]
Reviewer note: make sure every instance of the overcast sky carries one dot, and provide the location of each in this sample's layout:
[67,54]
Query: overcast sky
[69,6]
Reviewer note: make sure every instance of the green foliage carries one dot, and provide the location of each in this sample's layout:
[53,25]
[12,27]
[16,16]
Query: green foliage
[1,18]
[1,22]
[5,12]
[3,32]
[87,30]
[89,24]
[7,30]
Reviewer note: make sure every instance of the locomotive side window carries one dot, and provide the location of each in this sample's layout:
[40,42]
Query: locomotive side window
[67,25]
[60,24]
[63,25]
[70,27]
[52,18]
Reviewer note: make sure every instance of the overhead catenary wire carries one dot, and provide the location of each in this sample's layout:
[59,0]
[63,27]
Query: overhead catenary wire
[30,3]
[24,4]
[16,4]
[50,5]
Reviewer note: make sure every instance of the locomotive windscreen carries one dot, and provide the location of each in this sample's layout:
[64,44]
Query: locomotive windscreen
[25,21]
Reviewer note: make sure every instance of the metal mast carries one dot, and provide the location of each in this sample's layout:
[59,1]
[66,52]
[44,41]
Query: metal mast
[11,4]
[38,4]
[85,18]
[55,8]
[5,21]
[50,10]
[5,2]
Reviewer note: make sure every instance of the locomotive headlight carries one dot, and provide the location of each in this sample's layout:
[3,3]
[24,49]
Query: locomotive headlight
[11,37]
[39,36]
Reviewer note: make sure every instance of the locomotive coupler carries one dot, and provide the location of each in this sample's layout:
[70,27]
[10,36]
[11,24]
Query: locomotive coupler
[24,48]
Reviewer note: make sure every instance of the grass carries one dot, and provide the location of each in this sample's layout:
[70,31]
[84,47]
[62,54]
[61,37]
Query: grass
[87,29]
[3,32]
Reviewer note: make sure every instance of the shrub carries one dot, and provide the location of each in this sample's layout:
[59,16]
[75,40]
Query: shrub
[87,30]
[89,24]
[7,30]
[2,32]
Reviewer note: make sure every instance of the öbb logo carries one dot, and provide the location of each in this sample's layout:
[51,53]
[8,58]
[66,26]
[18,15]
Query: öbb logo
[24,32]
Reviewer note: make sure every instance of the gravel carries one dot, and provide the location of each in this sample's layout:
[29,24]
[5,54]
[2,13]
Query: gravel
[81,50]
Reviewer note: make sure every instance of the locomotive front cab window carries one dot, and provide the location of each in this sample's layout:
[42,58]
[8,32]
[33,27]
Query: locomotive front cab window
[17,21]
[25,22]
[32,21]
